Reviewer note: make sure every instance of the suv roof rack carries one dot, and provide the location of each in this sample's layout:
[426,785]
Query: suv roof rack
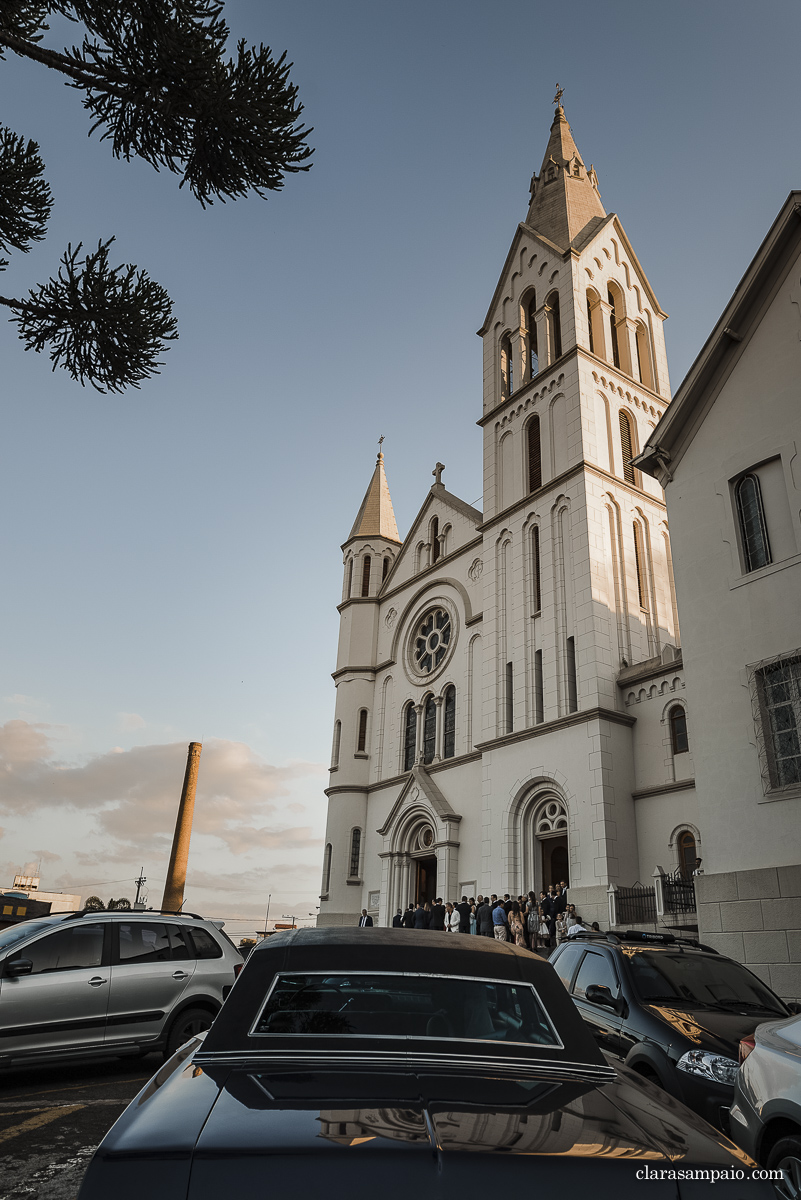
[129,912]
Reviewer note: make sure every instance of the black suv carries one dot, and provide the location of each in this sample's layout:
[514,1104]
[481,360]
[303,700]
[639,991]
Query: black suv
[671,1009]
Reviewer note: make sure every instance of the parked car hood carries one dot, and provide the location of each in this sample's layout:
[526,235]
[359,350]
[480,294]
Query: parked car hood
[708,1029]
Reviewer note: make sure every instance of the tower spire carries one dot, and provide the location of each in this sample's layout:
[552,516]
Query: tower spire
[564,196]
[376,517]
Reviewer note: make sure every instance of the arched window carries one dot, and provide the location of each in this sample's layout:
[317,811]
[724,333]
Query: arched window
[355,853]
[753,531]
[535,569]
[326,869]
[409,737]
[531,326]
[644,355]
[572,681]
[626,446]
[419,561]
[337,740]
[610,295]
[434,539]
[366,575]
[589,325]
[688,853]
[507,367]
[554,326]
[349,585]
[385,569]
[639,562]
[449,731]
[361,743]
[534,454]
[429,730]
[679,742]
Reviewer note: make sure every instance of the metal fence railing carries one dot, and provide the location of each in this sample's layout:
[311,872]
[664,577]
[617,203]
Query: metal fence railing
[635,905]
[679,893]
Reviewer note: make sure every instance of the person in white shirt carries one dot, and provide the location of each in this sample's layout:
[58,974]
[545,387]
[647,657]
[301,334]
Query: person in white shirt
[578,927]
[451,919]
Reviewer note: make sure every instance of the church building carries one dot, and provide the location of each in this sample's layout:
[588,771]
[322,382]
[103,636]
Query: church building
[510,704]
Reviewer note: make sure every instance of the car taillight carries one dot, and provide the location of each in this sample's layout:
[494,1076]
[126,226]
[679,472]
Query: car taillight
[747,1044]
[237,968]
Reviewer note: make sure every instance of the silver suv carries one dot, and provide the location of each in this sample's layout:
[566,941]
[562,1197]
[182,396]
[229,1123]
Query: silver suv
[100,983]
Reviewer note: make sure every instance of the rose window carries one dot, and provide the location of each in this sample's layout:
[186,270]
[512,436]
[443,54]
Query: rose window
[431,640]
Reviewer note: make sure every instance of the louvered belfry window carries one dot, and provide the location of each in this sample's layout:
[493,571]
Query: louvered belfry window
[613,324]
[362,742]
[435,547]
[366,575]
[626,447]
[533,356]
[535,567]
[410,738]
[534,455]
[639,562]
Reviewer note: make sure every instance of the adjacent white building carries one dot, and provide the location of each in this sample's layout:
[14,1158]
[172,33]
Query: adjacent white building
[511,707]
[727,454]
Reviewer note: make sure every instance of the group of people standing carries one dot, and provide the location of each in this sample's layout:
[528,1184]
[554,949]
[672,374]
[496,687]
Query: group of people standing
[528,921]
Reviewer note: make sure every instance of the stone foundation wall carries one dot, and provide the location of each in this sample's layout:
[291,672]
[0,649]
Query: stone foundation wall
[591,904]
[755,917]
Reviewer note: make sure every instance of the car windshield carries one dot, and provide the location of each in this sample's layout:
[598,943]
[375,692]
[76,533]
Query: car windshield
[25,929]
[706,979]
[405,1006]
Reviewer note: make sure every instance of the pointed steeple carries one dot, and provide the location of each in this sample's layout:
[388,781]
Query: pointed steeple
[376,517]
[564,196]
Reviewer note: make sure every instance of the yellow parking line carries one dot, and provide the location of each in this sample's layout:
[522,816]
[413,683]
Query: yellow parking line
[77,1087]
[42,1118]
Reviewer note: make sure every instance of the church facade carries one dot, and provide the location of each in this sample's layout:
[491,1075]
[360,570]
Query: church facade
[510,705]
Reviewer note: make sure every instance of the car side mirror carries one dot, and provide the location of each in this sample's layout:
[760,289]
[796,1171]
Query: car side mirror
[599,993]
[794,1006]
[19,966]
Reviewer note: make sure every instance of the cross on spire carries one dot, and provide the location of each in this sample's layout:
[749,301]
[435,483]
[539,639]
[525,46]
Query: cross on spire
[380,443]
[558,97]
[437,472]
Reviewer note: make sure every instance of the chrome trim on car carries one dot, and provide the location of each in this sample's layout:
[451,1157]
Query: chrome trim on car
[557,1044]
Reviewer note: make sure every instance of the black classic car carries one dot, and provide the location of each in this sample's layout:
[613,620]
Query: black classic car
[376,1062]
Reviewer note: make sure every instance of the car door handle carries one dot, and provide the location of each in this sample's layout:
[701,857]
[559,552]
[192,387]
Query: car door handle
[180,975]
[96,981]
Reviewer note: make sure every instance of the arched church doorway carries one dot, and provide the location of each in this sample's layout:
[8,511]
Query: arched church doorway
[426,889]
[554,861]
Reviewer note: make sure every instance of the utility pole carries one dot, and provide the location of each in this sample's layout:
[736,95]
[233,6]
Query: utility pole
[140,883]
[176,872]
[267,914]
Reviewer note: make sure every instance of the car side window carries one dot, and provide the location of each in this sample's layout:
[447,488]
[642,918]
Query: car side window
[565,964]
[144,942]
[205,944]
[78,948]
[596,968]
[181,949]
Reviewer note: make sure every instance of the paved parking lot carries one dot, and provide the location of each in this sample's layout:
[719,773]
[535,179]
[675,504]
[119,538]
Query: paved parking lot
[52,1119]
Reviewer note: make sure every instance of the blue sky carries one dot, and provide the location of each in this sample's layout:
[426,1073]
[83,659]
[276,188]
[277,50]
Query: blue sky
[172,556]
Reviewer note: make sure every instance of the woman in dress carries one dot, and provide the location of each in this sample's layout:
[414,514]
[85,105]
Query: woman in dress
[544,937]
[473,917]
[516,927]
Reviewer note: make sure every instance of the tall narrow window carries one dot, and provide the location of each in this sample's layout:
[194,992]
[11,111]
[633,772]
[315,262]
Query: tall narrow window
[510,698]
[556,325]
[409,737]
[326,869]
[639,562]
[688,852]
[534,454]
[678,730]
[753,531]
[385,569]
[589,326]
[538,688]
[337,740]
[507,367]
[626,446]
[429,730]
[613,323]
[779,691]
[349,586]
[366,575]
[355,853]
[533,357]
[449,732]
[434,539]
[572,683]
[535,568]
[361,743]
[644,356]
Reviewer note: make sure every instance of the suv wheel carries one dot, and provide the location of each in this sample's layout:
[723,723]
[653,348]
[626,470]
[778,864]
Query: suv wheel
[786,1156]
[188,1024]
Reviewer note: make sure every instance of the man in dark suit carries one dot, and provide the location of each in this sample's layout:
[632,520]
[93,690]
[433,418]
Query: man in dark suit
[437,920]
[364,919]
[484,919]
[397,920]
[408,917]
[463,910]
[420,917]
